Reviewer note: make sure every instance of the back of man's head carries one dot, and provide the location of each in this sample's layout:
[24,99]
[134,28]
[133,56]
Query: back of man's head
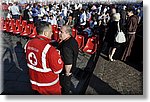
[42,26]
[130,9]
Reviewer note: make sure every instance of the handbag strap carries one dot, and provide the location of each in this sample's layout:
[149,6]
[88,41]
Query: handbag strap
[118,27]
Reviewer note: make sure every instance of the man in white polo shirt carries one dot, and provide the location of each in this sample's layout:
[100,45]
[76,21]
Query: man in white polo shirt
[14,9]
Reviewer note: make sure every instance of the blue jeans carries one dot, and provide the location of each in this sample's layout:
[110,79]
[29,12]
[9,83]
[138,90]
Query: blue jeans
[15,16]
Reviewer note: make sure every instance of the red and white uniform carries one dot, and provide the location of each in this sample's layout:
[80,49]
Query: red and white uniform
[44,64]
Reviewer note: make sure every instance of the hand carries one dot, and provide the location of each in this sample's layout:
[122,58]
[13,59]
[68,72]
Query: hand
[68,74]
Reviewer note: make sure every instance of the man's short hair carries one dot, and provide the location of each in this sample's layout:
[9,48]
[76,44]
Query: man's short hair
[42,26]
[68,29]
[130,9]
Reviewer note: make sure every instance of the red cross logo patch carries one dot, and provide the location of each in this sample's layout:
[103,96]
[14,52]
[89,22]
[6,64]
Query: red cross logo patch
[32,58]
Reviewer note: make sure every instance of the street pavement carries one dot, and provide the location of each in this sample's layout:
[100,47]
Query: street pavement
[118,76]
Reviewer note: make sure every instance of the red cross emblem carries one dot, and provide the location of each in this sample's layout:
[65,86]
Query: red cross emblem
[32,58]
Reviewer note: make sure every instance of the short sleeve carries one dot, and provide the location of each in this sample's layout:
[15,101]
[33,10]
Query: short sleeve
[55,61]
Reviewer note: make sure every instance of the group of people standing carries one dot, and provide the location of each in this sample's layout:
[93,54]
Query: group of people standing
[131,27]
[47,64]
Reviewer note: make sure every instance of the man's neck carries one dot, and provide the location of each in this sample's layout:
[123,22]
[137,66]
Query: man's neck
[131,15]
[67,37]
[42,37]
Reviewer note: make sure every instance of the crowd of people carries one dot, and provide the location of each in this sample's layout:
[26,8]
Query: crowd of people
[93,18]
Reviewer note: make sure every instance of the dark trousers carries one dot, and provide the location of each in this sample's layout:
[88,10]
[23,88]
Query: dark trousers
[35,19]
[15,16]
[65,82]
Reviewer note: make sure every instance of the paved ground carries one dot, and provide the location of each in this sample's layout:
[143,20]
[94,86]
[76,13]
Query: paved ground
[94,74]
[16,79]
[109,77]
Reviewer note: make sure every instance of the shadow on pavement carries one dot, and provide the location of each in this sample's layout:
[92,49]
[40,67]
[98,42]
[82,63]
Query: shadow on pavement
[21,57]
[101,87]
[16,79]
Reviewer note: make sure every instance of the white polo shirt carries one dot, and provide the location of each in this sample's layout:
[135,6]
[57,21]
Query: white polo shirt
[15,10]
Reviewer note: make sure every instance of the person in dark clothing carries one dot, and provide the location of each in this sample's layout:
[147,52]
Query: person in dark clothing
[100,30]
[50,6]
[76,16]
[111,34]
[60,21]
[26,13]
[69,52]
[132,24]
[35,13]
[123,18]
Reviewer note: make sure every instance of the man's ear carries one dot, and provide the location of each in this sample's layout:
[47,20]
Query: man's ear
[45,33]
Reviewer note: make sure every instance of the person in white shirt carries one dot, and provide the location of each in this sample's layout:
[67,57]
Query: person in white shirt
[88,16]
[43,12]
[14,9]
[52,20]
[83,18]
[65,11]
